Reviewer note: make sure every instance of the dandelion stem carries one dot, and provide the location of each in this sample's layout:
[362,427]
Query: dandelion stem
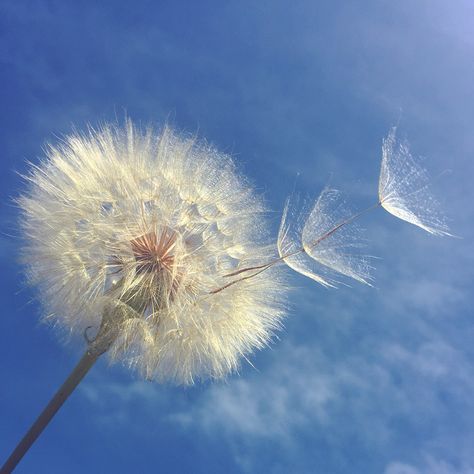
[105,337]
[96,347]
[78,373]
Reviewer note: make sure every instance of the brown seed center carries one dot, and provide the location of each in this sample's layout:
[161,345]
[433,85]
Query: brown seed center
[154,251]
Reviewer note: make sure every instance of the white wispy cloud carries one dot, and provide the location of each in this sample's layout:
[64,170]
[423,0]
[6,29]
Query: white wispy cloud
[429,465]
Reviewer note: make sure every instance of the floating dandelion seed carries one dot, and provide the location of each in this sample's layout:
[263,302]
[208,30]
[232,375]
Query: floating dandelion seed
[323,242]
[404,188]
[157,242]
[319,243]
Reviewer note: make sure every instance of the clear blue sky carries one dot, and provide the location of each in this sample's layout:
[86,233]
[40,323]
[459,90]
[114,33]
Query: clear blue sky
[362,380]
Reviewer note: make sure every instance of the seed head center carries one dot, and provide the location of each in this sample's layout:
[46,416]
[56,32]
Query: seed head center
[154,251]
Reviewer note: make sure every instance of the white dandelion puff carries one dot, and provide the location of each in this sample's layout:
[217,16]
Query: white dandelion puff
[136,230]
[404,188]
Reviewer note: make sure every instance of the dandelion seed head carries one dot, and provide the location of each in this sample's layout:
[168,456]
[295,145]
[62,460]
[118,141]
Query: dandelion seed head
[142,226]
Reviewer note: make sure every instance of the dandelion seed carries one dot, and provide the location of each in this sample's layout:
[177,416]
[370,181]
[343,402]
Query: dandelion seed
[404,188]
[323,241]
[320,244]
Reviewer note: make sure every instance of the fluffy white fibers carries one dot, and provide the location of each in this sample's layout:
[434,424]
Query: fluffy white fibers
[140,228]
[404,188]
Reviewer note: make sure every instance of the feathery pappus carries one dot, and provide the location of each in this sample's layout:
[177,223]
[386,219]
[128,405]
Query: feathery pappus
[323,242]
[135,230]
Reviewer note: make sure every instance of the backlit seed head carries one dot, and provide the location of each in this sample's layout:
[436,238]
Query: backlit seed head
[138,229]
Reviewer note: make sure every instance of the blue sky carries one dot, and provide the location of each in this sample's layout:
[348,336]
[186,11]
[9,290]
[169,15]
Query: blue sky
[362,380]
